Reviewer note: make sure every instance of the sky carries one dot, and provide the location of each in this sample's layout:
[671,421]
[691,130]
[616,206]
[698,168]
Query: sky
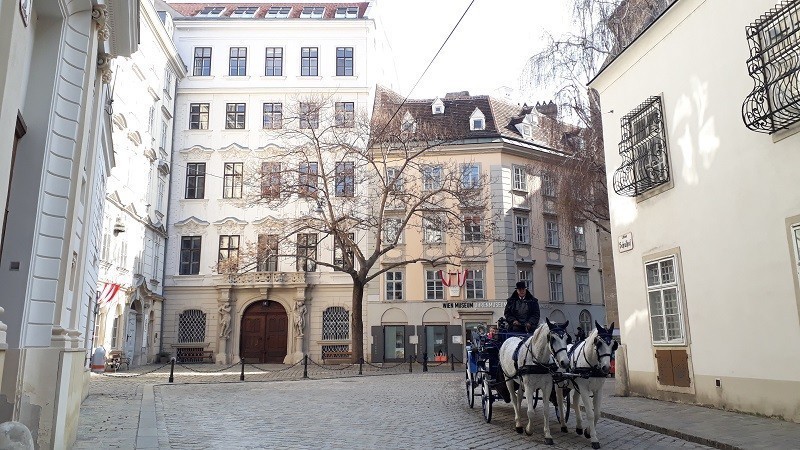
[488,50]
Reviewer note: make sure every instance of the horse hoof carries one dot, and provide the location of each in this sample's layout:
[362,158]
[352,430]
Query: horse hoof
[595,445]
[529,433]
[548,441]
[564,430]
[587,435]
[519,430]
[579,431]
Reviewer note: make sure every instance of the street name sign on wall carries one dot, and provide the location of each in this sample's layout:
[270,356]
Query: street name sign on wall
[626,242]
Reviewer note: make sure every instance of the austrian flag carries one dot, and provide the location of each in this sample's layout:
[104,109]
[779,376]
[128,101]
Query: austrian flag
[107,293]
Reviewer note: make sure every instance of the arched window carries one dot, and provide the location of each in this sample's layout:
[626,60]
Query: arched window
[557,316]
[335,324]
[192,326]
[585,318]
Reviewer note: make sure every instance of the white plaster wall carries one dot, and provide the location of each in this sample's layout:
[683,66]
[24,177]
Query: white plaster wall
[733,190]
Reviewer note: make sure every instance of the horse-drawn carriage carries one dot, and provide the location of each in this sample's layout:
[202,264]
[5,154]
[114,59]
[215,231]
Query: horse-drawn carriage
[509,365]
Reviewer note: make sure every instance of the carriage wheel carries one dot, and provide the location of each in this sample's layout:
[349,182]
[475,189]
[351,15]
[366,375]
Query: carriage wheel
[486,400]
[470,383]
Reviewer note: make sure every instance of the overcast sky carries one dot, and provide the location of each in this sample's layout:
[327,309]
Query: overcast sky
[488,50]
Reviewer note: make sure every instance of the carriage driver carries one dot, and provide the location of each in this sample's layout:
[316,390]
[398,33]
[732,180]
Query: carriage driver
[522,310]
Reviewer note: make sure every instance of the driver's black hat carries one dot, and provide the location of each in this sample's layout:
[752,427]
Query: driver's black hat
[521,285]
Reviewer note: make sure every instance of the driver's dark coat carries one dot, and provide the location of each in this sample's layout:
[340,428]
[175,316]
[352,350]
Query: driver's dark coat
[525,310]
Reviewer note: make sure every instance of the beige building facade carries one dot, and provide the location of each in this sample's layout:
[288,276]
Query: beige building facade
[702,149]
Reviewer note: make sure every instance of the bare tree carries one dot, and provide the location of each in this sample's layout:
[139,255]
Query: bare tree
[334,176]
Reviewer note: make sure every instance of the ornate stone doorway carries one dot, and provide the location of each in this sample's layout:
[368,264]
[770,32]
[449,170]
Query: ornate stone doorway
[265,331]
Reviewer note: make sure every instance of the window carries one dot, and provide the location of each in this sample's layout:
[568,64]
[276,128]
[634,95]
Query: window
[470,176]
[190,255]
[478,124]
[237,63]
[408,124]
[267,253]
[202,62]
[394,179]
[477,121]
[664,300]
[523,229]
[350,12]
[312,12]
[345,179]
[228,252]
[198,116]
[393,231]
[525,274]
[585,321]
[309,116]
[191,326]
[774,103]
[164,134]
[437,107]
[274,62]
[308,179]
[474,285]
[344,248]
[548,185]
[431,178]
[473,229]
[195,180]
[242,12]
[394,339]
[234,118]
[335,324]
[278,12]
[551,231]
[345,114]
[520,178]
[273,116]
[232,180]
[394,285]
[308,61]
[434,290]
[211,11]
[162,187]
[431,230]
[344,61]
[643,149]
[306,252]
[582,280]
[168,82]
[579,238]
[556,285]
[115,332]
[270,179]
[436,342]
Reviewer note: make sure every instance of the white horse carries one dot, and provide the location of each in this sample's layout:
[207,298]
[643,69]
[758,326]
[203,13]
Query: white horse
[534,360]
[592,359]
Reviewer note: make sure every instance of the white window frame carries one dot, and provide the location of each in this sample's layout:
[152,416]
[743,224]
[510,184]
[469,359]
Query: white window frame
[432,234]
[477,121]
[312,12]
[397,185]
[346,12]
[548,185]
[583,289]
[522,228]
[244,12]
[555,280]
[475,285]
[660,285]
[579,238]
[431,177]
[473,228]
[470,175]
[525,274]
[434,289]
[551,233]
[394,285]
[391,229]
[519,178]
[211,11]
[278,12]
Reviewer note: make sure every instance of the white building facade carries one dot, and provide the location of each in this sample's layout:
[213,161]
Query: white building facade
[134,223]
[249,66]
[702,156]
[54,118]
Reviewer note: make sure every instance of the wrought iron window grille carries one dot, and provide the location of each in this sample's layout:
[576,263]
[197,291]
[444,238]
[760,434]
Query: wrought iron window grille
[774,66]
[645,164]
[192,326]
[335,324]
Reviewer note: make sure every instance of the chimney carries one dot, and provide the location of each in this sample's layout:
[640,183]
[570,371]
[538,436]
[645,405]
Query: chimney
[549,109]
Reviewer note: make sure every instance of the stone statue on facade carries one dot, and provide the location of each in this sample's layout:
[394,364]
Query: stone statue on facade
[225,320]
[299,317]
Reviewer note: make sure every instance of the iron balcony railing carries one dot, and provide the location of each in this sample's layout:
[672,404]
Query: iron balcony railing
[643,148]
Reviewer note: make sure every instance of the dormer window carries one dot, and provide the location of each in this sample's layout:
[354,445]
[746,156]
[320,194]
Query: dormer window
[409,124]
[244,12]
[350,12]
[437,107]
[211,11]
[278,12]
[477,121]
[312,12]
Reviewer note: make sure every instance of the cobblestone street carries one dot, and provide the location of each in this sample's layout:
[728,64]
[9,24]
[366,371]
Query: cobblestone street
[399,411]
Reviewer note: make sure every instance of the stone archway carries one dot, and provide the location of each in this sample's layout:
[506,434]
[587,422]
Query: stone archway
[264,333]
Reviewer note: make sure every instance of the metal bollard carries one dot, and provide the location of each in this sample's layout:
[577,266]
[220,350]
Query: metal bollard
[172,369]
[425,362]
[452,362]
[361,366]
[241,377]
[410,363]
[305,366]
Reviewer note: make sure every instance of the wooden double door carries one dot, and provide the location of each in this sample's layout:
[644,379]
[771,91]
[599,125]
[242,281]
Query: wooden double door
[265,329]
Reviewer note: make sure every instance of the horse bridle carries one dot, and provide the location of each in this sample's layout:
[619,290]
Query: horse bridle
[560,333]
[607,340]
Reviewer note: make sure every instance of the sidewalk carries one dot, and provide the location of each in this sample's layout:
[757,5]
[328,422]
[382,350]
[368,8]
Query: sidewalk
[707,426]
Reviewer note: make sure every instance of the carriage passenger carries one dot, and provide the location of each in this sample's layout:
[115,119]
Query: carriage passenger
[522,310]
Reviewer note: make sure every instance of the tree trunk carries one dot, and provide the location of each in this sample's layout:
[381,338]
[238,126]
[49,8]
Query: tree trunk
[358,322]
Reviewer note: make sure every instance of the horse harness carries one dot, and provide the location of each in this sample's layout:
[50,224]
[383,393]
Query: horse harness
[593,371]
[538,368]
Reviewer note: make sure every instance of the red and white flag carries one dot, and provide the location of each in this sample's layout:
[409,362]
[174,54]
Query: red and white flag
[107,293]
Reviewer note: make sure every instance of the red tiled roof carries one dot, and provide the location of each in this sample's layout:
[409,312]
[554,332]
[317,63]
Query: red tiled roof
[191,9]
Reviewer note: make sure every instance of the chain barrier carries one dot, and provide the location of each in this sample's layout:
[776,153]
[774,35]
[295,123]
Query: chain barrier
[133,375]
[329,368]
[385,367]
[206,371]
[273,370]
